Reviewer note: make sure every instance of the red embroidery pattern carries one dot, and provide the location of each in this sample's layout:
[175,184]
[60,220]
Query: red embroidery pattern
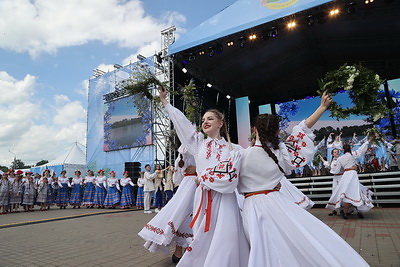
[223,169]
[208,153]
[292,145]
[154,229]
[189,249]
[301,135]
[218,149]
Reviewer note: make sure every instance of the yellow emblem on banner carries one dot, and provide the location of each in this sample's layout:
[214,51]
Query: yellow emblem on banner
[278,4]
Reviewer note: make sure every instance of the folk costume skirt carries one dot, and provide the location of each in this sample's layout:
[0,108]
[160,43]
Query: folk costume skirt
[349,190]
[171,224]
[281,233]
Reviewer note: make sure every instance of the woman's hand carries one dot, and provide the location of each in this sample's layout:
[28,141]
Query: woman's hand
[163,95]
[326,100]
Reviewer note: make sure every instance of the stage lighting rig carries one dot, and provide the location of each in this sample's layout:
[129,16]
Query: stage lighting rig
[310,20]
[273,32]
[211,51]
[242,41]
[192,57]
[351,8]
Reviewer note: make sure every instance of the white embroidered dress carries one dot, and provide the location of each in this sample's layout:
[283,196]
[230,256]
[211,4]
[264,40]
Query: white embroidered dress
[219,238]
[349,189]
[171,224]
[280,232]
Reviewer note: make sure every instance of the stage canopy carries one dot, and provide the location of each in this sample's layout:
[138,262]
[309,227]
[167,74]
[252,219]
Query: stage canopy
[248,49]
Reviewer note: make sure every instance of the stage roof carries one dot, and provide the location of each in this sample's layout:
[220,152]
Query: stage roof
[270,69]
[241,15]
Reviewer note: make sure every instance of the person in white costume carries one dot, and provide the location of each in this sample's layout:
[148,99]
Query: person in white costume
[171,224]
[280,232]
[349,192]
[219,239]
[337,174]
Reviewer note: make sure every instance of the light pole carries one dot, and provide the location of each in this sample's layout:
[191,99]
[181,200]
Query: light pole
[15,158]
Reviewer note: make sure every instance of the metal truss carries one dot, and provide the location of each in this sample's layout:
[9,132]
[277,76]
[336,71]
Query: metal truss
[164,70]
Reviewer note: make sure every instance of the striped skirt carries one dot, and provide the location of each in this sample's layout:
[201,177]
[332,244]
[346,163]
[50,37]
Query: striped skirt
[112,197]
[50,196]
[99,196]
[126,197]
[88,195]
[140,197]
[76,197]
[62,196]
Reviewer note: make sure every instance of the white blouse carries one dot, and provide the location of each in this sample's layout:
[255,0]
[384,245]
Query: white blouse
[348,160]
[89,179]
[188,159]
[260,172]
[125,181]
[113,182]
[62,180]
[101,180]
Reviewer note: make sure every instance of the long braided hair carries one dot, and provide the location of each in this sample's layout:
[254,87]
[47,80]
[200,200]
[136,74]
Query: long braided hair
[267,126]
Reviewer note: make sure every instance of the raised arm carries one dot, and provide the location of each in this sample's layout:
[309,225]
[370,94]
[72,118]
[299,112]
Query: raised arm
[326,100]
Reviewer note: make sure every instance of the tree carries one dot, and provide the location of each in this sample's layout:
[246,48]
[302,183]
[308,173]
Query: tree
[43,161]
[4,168]
[18,164]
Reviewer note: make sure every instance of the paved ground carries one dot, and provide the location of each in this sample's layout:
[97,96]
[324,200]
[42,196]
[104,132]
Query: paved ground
[91,237]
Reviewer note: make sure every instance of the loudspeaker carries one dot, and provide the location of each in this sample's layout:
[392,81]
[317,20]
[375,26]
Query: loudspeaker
[133,168]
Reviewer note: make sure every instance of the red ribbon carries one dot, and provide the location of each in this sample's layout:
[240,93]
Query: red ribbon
[208,210]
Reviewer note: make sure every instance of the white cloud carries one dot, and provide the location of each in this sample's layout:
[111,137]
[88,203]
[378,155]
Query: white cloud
[47,25]
[20,132]
[61,99]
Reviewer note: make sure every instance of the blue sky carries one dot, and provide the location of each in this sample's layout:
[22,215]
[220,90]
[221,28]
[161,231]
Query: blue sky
[49,49]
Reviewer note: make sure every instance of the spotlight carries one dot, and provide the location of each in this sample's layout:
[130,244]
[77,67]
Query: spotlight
[291,24]
[185,62]
[219,49]
[230,43]
[368,2]
[310,20]
[211,51]
[201,52]
[192,57]
[334,12]
[184,70]
[351,8]
[252,37]
[242,41]
[228,96]
[273,32]
[209,85]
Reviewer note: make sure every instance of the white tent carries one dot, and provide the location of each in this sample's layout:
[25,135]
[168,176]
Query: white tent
[74,159]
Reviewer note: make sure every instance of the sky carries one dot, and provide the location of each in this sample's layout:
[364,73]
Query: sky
[48,51]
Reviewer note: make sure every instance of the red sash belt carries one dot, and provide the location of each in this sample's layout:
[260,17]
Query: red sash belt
[349,169]
[265,192]
[338,174]
[208,210]
[191,174]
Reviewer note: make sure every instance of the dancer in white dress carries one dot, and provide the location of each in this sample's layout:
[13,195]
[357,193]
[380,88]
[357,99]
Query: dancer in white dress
[349,192]
[219,239]
[171,224]
[280,232]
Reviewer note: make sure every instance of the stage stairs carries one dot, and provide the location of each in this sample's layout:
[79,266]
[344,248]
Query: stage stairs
[385,185]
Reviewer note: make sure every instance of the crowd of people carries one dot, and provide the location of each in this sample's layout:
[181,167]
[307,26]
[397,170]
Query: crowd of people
[22,191]
[381,155]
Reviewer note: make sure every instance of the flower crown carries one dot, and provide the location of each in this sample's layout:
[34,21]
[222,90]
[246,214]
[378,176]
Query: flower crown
[112,172]
[99,171]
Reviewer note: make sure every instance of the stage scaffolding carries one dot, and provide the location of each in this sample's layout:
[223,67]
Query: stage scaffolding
[162,126]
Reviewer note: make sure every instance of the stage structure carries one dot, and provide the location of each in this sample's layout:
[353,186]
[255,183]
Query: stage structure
[124,129]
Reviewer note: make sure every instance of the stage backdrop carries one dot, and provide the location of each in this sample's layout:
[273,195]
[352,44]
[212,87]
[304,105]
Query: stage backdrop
[116,133]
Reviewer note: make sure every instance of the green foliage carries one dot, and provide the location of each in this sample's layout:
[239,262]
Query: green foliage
[41,162]
[192,108]
[4,168]
[362,85]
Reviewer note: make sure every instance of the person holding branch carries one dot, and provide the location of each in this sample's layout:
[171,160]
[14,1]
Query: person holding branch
[219,239]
